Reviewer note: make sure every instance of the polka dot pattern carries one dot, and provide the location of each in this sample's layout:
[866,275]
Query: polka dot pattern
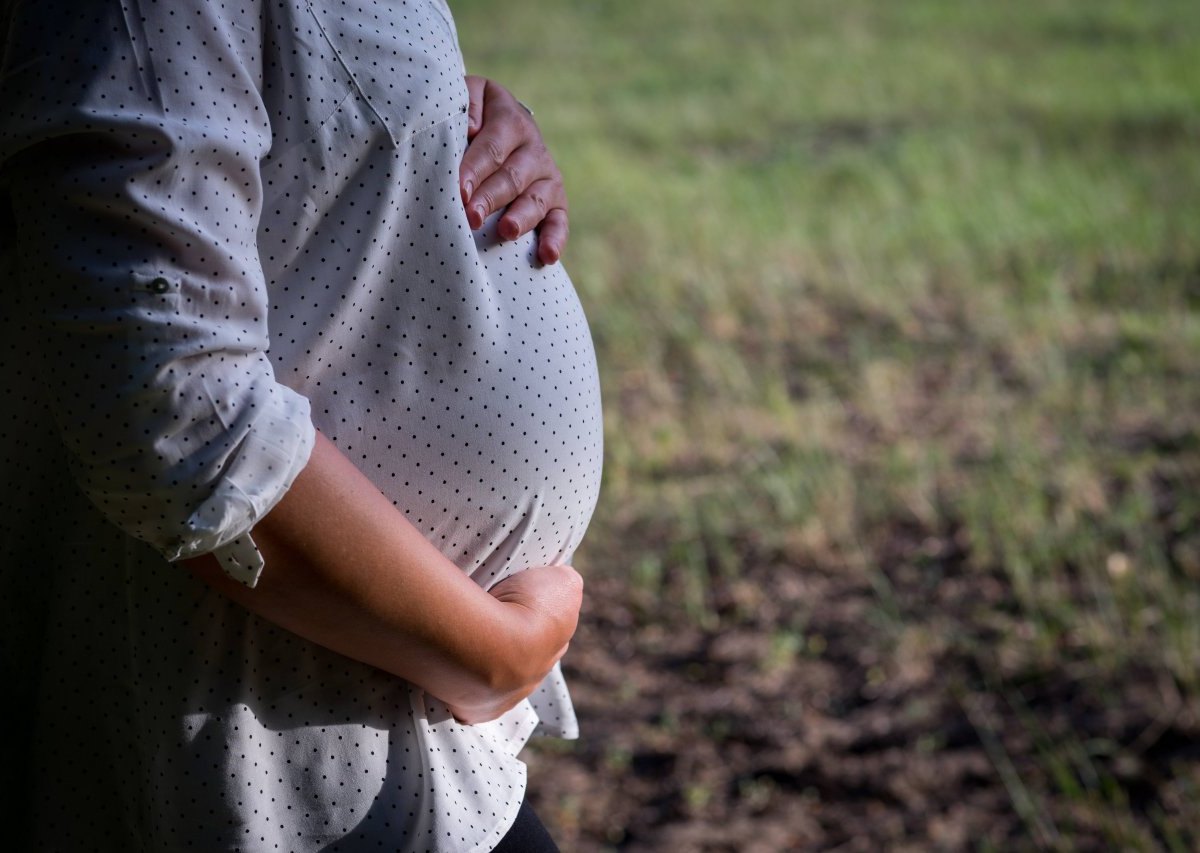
[237,222]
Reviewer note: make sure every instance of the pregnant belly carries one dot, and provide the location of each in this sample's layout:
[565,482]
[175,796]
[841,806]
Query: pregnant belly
[477,410]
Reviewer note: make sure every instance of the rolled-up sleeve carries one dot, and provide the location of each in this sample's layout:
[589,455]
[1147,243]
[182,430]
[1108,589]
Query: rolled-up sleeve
[131,135]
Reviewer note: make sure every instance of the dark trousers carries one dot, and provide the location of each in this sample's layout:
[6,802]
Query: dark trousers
[527,835]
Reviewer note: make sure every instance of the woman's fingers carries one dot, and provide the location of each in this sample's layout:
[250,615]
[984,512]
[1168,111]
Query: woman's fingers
[503,128]
[554,593]
[507,164]
[518,174]
[531,208]
[552,236]
[546,601]
[475,86]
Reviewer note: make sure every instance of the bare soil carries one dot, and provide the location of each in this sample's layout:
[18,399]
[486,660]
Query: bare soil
[833,709]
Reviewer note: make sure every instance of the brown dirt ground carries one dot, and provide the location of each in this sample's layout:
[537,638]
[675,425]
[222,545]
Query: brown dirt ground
[925,724]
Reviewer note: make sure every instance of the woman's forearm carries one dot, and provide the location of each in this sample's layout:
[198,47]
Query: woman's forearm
[346,570]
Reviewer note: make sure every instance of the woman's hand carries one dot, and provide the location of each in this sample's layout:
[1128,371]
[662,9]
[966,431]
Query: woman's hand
[507,163]
[542,609]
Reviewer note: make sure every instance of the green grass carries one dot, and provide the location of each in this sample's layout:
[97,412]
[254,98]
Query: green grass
[859,265]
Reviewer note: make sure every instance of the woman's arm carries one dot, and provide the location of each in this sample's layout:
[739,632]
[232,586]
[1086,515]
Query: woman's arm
[346,570]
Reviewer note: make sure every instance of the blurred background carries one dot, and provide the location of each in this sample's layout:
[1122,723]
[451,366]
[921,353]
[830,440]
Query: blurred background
[897,306]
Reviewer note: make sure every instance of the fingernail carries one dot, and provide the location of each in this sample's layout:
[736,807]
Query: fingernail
[468,188]
[478,211]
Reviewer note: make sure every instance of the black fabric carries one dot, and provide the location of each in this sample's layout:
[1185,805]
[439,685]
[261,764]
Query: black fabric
[527,835]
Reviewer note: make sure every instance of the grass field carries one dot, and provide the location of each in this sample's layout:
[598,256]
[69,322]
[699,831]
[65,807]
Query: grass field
[898,312]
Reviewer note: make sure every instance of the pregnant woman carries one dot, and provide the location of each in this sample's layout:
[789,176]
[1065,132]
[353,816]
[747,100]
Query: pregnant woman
[296,448]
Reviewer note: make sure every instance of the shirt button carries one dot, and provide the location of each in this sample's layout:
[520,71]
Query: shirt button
[160,285]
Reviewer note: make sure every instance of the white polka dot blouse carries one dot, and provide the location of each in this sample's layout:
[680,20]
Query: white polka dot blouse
[225,225]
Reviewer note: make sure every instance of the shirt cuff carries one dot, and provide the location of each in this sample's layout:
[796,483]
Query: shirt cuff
[274,451]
